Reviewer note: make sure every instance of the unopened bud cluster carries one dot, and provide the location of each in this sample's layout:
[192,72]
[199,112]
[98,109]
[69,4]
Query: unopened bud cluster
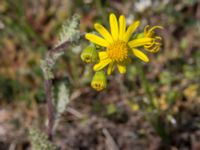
[90,55]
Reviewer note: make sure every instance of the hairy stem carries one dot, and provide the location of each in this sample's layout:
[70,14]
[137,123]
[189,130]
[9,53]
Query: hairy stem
[48,86]
[48,90]
[50,108]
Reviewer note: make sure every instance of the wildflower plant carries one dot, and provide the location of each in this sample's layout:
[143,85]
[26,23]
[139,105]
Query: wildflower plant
[106,51]
[117,47]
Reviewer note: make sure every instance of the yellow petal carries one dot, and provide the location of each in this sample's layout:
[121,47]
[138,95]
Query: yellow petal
[103,32]
[155,27]
[153,50]
[101,64]
[121,68]
[139,42]
[149,33]
[140,55]
[103,55]
[110,68]
[130,30]
[122,26]
[96,39]
[114,26]
[146,29]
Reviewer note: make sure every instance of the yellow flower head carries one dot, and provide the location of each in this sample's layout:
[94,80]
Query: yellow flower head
[118,44]
[155,45]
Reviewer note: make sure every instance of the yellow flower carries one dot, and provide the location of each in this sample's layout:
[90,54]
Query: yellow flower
[118,44]
[155,45]
[99,81]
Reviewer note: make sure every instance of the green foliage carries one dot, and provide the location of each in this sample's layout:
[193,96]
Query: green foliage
[62,100]
[9,88]
[70,30]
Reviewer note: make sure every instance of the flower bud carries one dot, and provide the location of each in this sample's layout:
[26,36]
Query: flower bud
[99,81]
[89,54]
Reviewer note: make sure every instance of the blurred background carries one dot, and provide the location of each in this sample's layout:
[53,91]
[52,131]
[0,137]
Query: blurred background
[119,117]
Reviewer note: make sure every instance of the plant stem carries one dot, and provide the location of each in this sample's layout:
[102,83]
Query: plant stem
[48,86]
[145,85]
[50,108]
[48,90]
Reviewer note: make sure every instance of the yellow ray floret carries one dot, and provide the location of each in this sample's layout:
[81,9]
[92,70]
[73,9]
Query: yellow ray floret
[139,42]
[111,67]
[96,39]
[140,55]
[114,26]
[102,64]
[122,26]
[130,30]
[106,35]
[121,68]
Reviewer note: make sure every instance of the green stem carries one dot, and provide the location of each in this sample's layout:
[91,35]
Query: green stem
[145,85]
[154,117]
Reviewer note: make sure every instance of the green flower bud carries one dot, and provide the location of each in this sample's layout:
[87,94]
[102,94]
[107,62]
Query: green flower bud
[89,54]
[99,81]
